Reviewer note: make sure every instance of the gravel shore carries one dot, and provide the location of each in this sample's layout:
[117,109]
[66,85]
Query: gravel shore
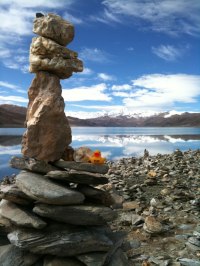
[161,208]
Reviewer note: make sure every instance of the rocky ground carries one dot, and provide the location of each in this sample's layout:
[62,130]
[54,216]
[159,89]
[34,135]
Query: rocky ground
[161,211]
[158,205]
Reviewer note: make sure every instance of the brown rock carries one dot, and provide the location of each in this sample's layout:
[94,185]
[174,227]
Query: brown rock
[47,55]
[48,131]
[152,225]
[131,205]
[54,27]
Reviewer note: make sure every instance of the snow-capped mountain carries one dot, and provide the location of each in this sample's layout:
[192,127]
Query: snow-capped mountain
[14,116]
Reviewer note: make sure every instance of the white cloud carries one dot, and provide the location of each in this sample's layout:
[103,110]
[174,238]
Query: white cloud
[130,49]
[8,85]
[72,19]
[94,55]
[163,15]
[123,87]
[121,94]
[158,91]
[17,22]
[83,93]
[106,17]
[12,99]
[86,71]
[167,52]
[37,3]
[105,77]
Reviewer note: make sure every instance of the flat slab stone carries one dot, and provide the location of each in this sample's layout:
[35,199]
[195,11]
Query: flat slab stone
[4,222]
[78,177]
[14,256]
[31,164]
[93,259]
[63,241]
[95,195]
[13,193]
[88,167]
[76,214]
[19,216]
[119,259]
[46,191]
[56,261]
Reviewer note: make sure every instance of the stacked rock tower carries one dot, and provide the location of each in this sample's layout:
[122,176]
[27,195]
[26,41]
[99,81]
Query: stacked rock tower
[54,214]
[48,132]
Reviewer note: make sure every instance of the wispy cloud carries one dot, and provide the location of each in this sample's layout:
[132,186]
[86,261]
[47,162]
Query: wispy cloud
[86,71]
[72,19]
[12,99]
[123,87]
[172,17]
[105,77]
[106,17]
[16,23]
[5,84]
[158,91]
[83,93]
[168,52]
[94,55]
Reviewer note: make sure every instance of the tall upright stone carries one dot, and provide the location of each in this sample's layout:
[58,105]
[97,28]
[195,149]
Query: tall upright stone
[48,132]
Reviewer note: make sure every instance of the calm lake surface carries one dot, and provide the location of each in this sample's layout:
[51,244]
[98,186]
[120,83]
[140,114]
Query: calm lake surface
[114,142]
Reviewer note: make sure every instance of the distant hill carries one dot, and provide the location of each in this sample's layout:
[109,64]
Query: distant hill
[14,116]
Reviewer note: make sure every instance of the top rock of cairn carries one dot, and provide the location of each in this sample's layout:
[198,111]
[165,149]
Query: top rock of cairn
[55,28]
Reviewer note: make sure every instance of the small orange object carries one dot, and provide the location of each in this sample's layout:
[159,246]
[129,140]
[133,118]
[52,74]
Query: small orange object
[96,158]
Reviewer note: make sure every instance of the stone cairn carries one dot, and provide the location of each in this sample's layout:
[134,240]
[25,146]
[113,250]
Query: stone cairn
[53,214]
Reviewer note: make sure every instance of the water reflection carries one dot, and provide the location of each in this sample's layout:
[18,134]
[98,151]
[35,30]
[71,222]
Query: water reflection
[112,144]
[118,146]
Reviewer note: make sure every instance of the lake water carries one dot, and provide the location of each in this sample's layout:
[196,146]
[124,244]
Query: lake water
[114,142]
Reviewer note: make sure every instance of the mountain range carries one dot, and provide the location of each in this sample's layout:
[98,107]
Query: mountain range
[14,116]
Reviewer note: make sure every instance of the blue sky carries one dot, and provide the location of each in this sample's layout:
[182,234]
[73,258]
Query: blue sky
[139,56]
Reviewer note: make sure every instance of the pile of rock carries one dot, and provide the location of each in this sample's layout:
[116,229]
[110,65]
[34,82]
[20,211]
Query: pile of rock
[48,132]
[56,211]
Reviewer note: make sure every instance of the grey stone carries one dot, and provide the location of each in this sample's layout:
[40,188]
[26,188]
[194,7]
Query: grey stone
[79,177]
[194,240]
[88,167]
[19,216]
[56,261]
[137,219]
[93,259]
[76,214]
[31,164]
[61,241]
[119,259]
[44,190]
[13,256]
[95,195]
[189,262]
[13,193]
